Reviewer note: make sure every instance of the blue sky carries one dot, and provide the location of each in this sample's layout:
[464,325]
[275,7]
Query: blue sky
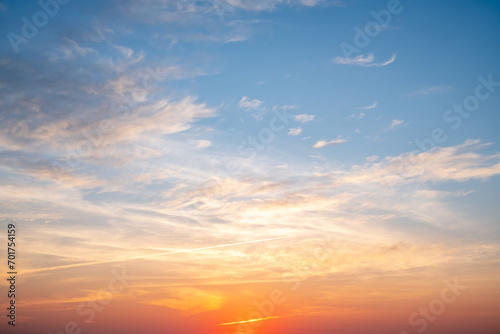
[180,124]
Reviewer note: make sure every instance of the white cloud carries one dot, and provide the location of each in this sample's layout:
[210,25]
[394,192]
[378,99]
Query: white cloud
[309,3]
[125,51]
[269,5]
[71,49]
[363,61]
[396,123]
[323,143]
[358,60]
[369,107]
[203,143]
[295,131]
[372,158]
[248,104]
[304,118]
[443,164]
[356,115]
[456,163]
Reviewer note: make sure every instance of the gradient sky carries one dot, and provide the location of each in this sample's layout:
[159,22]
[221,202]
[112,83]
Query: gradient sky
[182,166]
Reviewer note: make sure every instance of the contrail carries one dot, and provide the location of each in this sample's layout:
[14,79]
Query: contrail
[252,320]
[260,319]
[74,265]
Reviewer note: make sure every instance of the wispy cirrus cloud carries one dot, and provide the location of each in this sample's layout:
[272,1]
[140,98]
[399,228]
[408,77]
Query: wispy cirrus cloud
[360,115]
[249,104]
[366,61]
[323,143]
[304,118]
[295,131]
[269,5]
[430,91]
[371,106]
[396,123]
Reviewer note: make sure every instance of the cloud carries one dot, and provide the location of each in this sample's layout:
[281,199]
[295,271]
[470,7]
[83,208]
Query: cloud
[311,3]
[72,49]
[358,60]
[363,61]
[323,143]
[354,204]
[220,19]
[248,104]
[269,5]
[441,194]
[361,115]
[368,107]
[430,91]
[442,164]
[203,143]
[396,123]
[259,115]
[125,51]
[456,163]
[304,118]
[295,131]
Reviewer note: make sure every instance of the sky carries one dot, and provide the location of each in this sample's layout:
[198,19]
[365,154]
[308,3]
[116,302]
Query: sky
[251,166]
